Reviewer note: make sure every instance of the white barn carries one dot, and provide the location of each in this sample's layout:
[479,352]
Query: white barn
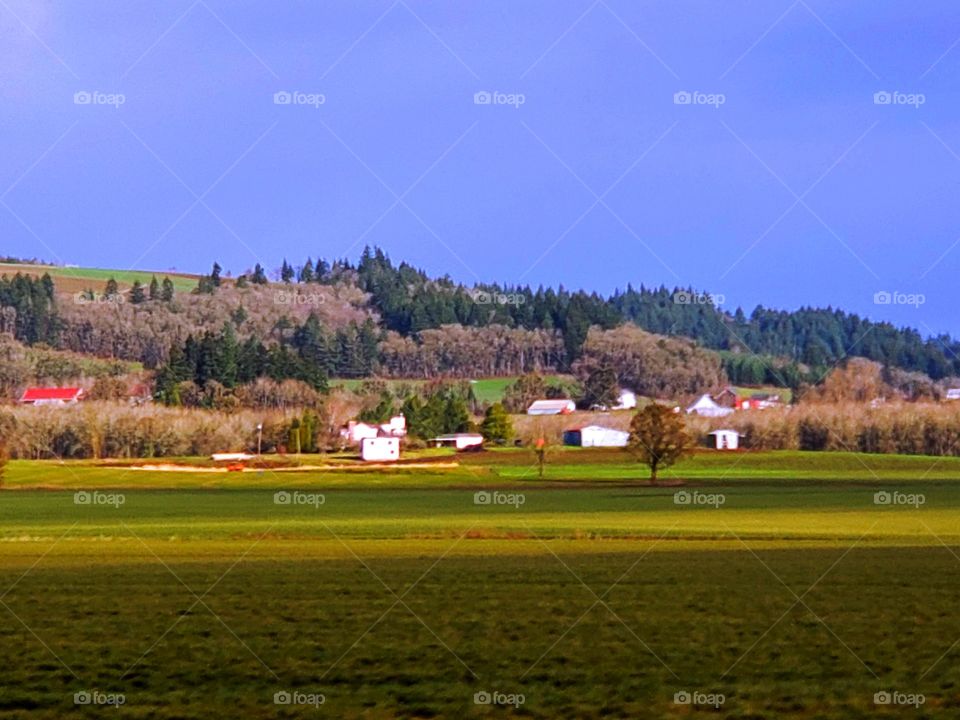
[726,439]
[595,436]
[551,407]
[706,406]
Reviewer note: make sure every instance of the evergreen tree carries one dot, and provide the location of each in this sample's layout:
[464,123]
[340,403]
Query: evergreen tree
[111,289]
[137,294]
[286,271]
[259,276]
[166,292]
[154,288]
[496,426]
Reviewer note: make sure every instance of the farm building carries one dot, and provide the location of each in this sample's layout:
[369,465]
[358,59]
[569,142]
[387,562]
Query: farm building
[552,407]
[706,406]
[355,432]
[952,394]
[51,396]
[595,436]
[725,439]
[461,441]
[627,400]
[380,449]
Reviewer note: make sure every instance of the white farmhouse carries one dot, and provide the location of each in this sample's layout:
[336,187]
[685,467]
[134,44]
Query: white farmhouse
[627,400]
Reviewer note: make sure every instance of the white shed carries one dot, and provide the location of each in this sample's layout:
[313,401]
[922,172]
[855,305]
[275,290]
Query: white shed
[627,400]
[552,407]
[380,449]
[595,436]
[461,441]
[726,439]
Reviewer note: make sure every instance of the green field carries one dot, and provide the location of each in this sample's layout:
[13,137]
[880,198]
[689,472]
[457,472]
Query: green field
[783,587]
[486,390]
[72,278]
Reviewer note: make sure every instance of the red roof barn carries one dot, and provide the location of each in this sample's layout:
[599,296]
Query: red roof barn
[51,395]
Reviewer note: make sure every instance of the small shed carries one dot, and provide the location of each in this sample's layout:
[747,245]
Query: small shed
[626,400]
[380,449]
[595,436]
[726,439]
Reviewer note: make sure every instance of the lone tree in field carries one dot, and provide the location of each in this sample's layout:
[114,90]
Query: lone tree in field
[658,438]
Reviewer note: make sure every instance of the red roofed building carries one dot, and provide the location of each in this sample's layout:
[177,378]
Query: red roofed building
[51,396]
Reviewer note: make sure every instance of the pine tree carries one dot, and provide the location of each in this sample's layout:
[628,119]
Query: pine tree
[111,289]
[137,295]
[306,272]
[166,293]
[259,276]
[286,271]
[496,425]
[154,288]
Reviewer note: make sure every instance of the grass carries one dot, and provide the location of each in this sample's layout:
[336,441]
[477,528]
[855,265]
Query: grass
[76,279]
[487,390]
[398,596]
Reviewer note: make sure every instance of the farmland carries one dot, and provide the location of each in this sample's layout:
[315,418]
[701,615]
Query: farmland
[77,279]
[395,594]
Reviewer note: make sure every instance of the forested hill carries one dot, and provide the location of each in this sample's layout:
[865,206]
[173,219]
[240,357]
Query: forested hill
[377,317]
[409,301]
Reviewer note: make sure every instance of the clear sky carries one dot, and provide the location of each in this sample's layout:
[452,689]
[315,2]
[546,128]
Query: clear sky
[783,182]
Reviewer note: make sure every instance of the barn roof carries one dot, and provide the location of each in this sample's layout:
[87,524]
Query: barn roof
[33,394]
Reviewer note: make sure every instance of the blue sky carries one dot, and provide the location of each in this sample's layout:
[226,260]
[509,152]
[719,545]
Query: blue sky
[784,183]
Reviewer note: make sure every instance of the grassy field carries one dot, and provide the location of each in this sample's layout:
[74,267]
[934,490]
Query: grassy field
[486,389]
[781,588]
[77,279]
